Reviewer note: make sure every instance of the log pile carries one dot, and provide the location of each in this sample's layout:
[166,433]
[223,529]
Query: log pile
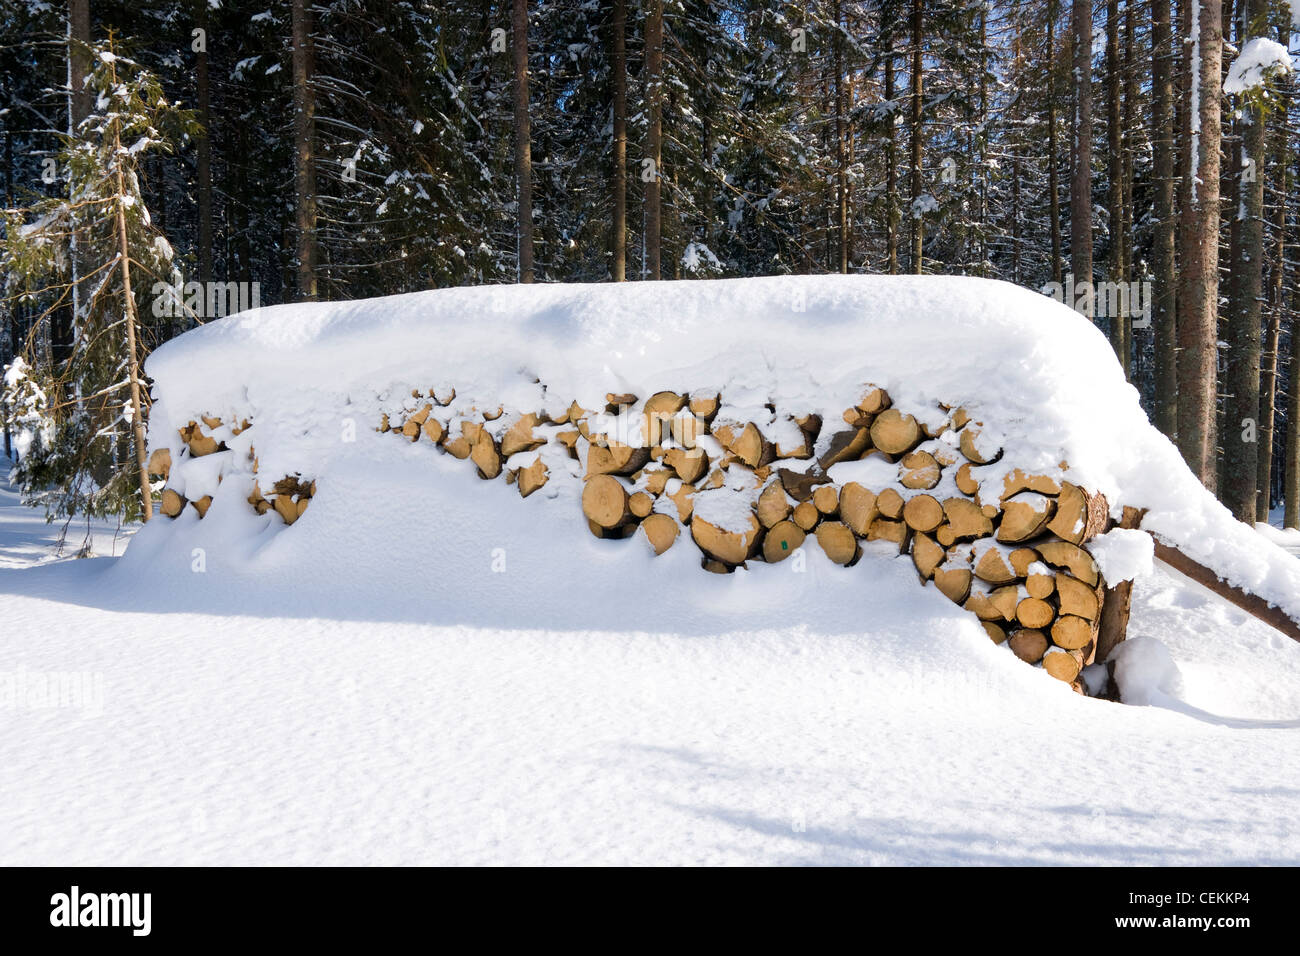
[1015,555]
[1006,544]
[289,496]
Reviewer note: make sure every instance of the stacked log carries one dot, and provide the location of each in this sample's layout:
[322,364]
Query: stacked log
[1014,555]
[288,498]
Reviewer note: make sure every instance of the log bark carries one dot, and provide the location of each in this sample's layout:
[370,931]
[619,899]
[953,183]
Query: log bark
[1116,601]
[1029,645]
[1079,515]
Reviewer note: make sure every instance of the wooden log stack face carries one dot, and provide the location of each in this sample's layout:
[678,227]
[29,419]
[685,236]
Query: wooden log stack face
[287,497]
[1015,555]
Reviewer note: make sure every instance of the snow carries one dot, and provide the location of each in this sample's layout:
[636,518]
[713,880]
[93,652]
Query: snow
[591,704]
[1145,671]
[1259,59]
[1042,378]
[872,472]
[698,259]
[1123,554]
[426,668]
[731,507]
[1288,538]
[1194,108]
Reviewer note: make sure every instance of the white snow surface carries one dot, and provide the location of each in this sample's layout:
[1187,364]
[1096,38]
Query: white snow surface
[370,691]
[1041,377]
[426,668]
[1145,671]
[1123,554]
[1260,58]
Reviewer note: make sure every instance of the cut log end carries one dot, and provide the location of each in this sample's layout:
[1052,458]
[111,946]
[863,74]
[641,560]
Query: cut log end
[605,501]
[839,543]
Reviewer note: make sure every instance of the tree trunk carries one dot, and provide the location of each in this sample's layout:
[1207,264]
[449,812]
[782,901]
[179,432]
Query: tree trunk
[523,144]
[132,348]
[1241,442]
[918,233]
[1053,157]
[1199,251]
[841,173]
[891,146]
[618,245]
[1291,491]
[304,135]
[1163,313]
[981,141]
[203,151]
[654,56]
[1129,83]
[7,354]
[78,61]
[1291,495]
[1115,175]
[1277,298]
[1081,179]
[63,319]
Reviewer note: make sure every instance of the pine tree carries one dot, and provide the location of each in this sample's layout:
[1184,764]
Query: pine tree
[84,418]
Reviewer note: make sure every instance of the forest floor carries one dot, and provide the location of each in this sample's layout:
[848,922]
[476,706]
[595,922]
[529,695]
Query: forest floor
[368,737]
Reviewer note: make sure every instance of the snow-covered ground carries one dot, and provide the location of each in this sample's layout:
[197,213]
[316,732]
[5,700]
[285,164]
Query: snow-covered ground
[585,704]
[1274,530]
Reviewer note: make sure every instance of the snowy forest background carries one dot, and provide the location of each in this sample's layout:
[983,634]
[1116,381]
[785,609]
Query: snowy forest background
[343,149]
